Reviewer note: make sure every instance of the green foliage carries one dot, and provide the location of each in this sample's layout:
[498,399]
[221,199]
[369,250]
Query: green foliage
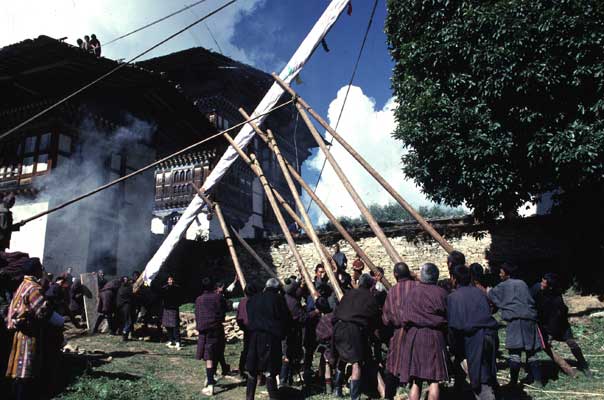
[105,388]
[501,100]
[393,212]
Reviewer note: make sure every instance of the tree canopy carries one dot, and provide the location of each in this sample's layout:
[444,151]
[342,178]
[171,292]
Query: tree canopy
[499,101]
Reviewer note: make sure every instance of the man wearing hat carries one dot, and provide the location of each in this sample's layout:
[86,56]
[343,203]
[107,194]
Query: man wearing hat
[517,307]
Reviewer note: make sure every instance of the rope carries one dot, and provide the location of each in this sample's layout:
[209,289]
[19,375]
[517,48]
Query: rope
[153,23]
[153,164]
[354,71]
[63,100]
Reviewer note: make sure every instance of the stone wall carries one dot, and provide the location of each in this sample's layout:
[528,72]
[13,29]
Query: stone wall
[535,244]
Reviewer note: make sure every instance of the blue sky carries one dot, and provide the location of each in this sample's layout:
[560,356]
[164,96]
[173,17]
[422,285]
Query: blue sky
[263,33]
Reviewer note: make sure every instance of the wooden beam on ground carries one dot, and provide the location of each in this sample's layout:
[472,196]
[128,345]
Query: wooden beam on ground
[332,218]
[257,169]
[301,104]
[310,231]
[255,256]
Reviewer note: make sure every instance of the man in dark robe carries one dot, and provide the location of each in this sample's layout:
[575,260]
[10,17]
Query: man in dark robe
[100,276]
[310,339]
[243,322]
[324,335]
[124,308]
[106,305]
[454,259]
[339,258]
[269,320]
[392,318]
[553,318]
[517,307]
[210,309]
[424,351]
[473,333]
[6,221]
[355,317]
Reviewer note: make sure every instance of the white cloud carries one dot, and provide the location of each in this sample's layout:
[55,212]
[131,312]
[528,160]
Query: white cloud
[108,19]
[368,130]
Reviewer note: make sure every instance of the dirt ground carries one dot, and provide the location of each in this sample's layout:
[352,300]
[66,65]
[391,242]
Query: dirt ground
[104,367]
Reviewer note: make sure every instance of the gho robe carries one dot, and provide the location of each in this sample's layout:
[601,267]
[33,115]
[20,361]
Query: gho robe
[473,333]
[424,351]
[392,317]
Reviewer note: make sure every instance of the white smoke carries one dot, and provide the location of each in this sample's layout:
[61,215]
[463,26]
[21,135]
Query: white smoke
[368,130]
[112,223]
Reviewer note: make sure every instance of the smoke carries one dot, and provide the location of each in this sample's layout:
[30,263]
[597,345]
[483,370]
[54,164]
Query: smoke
[368,129]
[111,229]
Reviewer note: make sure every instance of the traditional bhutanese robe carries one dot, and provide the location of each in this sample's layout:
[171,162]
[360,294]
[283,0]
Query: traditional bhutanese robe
[210,310]
[26,312]
[392,317]
[424,353]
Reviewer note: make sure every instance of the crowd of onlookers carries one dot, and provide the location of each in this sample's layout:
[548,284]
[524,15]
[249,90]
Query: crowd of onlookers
[90,44]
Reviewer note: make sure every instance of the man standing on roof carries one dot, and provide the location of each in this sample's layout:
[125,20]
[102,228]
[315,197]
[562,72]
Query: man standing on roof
[95,45]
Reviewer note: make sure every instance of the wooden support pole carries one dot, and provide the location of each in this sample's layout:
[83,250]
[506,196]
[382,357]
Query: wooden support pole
[257,169]
[229,242]
[310,231]
[225,230]
[390,250]
[255,255]
[332,218]
[300,103]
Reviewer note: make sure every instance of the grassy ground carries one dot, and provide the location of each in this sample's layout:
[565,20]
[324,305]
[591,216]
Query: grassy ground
[148,370]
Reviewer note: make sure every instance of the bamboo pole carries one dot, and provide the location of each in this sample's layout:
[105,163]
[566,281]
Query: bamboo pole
[300,103]
[310,231]
[229,242]
[332,218]
[257,169]
[225,230]
[255,255]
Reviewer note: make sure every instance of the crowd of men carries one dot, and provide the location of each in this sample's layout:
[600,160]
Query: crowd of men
[434,331]
[90,44]
[421,332]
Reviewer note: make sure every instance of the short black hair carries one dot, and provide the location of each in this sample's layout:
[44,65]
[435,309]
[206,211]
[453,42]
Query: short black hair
[462,276]
[365,281]
[401,270]
[319,266]
[510,268]
[456,258]
[379,269]
[250,289]
[219,285]
[206,284]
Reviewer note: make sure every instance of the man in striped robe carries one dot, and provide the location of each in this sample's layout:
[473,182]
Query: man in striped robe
[392,318]
[27,314]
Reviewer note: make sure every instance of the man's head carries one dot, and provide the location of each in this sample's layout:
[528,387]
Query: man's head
[461,275]
[250,289]
[428,273]
[9,200]
[101,273]
[401,271]
[125,279]
[272,284]
[79,41]
[336,248]
[69,270]
[87,38]
[290,286]
[219,287]
[320,271]
[206,285]
[93,36]
[476,273]
[507,271]
[550,281]
[135,275]
[33,267]
[455,258]
[365,281]
[322,304]
[378,273]
[170,280]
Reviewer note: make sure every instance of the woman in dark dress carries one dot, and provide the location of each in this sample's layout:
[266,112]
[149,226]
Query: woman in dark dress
[171,315]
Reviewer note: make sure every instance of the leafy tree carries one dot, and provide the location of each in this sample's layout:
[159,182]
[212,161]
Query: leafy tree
[500,101]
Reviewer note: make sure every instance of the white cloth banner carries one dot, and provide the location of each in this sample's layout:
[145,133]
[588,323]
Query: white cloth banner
[293,67]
